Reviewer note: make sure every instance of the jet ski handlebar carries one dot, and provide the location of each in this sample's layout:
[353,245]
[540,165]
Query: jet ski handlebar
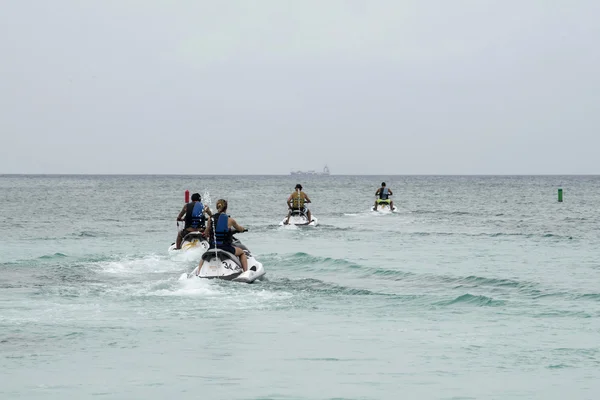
[234,231]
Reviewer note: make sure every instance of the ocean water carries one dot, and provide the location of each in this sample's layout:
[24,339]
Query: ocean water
[477,288]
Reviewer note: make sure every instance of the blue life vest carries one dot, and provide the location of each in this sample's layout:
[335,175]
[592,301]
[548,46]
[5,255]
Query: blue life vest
[194,215]
[383,194]
[221,227]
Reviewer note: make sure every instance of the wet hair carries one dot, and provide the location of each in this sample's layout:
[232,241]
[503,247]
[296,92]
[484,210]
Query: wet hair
[196,197]
[298,186]
[382,183]
[223,205]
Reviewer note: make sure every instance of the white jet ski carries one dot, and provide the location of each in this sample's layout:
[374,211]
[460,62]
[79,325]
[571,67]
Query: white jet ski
[219,264]
[300,218]
[384,206]
[193,241]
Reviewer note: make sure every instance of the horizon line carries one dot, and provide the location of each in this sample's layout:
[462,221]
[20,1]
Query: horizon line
[288,175]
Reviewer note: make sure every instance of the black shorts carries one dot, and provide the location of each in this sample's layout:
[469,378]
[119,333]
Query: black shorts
[226,247]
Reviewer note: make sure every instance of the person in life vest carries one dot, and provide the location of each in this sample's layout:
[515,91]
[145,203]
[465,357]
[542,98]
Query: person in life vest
[195,221]
[384,194]
[218,230]
[297,201]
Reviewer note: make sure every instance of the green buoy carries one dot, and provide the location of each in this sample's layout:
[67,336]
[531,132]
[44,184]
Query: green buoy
[560,192]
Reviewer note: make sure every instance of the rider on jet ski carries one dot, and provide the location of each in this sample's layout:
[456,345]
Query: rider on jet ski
[296,202]
[194,218]
[383,194]
[222,233]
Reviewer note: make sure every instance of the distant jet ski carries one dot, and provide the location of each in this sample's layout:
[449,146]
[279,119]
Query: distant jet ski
[384,206]
[220,264]
[299,217]
[193,241]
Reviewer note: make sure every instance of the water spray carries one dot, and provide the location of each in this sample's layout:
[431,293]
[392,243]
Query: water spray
[206,197]
[214,231]
[299,197]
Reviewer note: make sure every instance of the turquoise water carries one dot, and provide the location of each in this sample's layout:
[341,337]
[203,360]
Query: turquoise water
[479,287]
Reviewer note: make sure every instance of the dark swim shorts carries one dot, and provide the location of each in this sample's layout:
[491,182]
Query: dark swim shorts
[226,247]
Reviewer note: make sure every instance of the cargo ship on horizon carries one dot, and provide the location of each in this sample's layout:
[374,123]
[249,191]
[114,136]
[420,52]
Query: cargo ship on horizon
[311,172]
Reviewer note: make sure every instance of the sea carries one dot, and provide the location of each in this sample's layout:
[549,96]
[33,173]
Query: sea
[478,287]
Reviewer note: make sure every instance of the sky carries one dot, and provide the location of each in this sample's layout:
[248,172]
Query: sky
[270,86]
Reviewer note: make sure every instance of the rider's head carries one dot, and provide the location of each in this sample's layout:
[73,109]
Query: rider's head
[299,186]
[221,205]
[196,197]
[383,184]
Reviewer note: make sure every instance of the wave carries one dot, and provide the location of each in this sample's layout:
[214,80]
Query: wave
[317,263]
[312,263]
[483,281]
[86,234]
[328,265]
[561,313]
[52,256]
[589,296]
[445,212]
[473,300]
[62,259]
[335,228]
[424,212]
[493,234]
[558,366]
[320,263]
[311,287]
[319,227]
[537,294]
[492,281]
[575,219]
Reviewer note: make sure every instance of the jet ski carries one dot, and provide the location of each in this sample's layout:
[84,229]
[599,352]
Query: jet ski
[192,241]
[384,206]
[300,218]
[220,264]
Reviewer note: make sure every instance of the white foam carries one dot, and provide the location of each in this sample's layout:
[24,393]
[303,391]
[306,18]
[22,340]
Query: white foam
[190,288]
[380,212]
[289,226]
[230,294]
[132,266]
[194,254]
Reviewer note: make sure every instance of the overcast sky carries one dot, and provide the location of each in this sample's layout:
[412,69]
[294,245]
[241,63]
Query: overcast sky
[263,87]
